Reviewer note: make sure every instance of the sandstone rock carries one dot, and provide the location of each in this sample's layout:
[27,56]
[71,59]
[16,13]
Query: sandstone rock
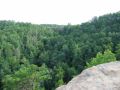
[100,77]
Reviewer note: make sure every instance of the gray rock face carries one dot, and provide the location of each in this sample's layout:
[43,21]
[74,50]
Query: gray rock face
[100,77]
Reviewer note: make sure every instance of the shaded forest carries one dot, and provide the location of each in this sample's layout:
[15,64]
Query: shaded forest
[43,57]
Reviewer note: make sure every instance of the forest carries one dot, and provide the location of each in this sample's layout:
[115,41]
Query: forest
[45,56]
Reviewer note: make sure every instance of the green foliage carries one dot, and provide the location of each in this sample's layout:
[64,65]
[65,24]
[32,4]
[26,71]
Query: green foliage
[64,49]
[59,76]
[106,57]
[118,51]
[27,78]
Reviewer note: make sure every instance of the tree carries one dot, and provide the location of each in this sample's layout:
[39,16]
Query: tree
[118,51]
[27,78]
[1,75]
[106,57]
[59,74]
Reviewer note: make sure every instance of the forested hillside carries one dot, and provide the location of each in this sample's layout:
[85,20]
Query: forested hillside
[43,57]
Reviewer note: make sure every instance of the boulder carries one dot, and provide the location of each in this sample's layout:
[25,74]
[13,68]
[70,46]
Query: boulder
[101,77]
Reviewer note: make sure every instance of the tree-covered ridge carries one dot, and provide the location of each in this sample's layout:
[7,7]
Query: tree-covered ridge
[50,55]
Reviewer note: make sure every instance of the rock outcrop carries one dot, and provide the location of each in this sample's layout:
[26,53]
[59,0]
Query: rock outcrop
[100,77]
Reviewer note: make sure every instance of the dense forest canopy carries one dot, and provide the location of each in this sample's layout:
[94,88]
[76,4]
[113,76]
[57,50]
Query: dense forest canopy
[43,57]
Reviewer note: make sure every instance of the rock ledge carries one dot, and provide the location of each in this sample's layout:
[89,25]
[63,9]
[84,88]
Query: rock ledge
[101,77]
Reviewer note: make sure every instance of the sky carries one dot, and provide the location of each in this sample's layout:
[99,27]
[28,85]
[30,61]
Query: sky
[56,11]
